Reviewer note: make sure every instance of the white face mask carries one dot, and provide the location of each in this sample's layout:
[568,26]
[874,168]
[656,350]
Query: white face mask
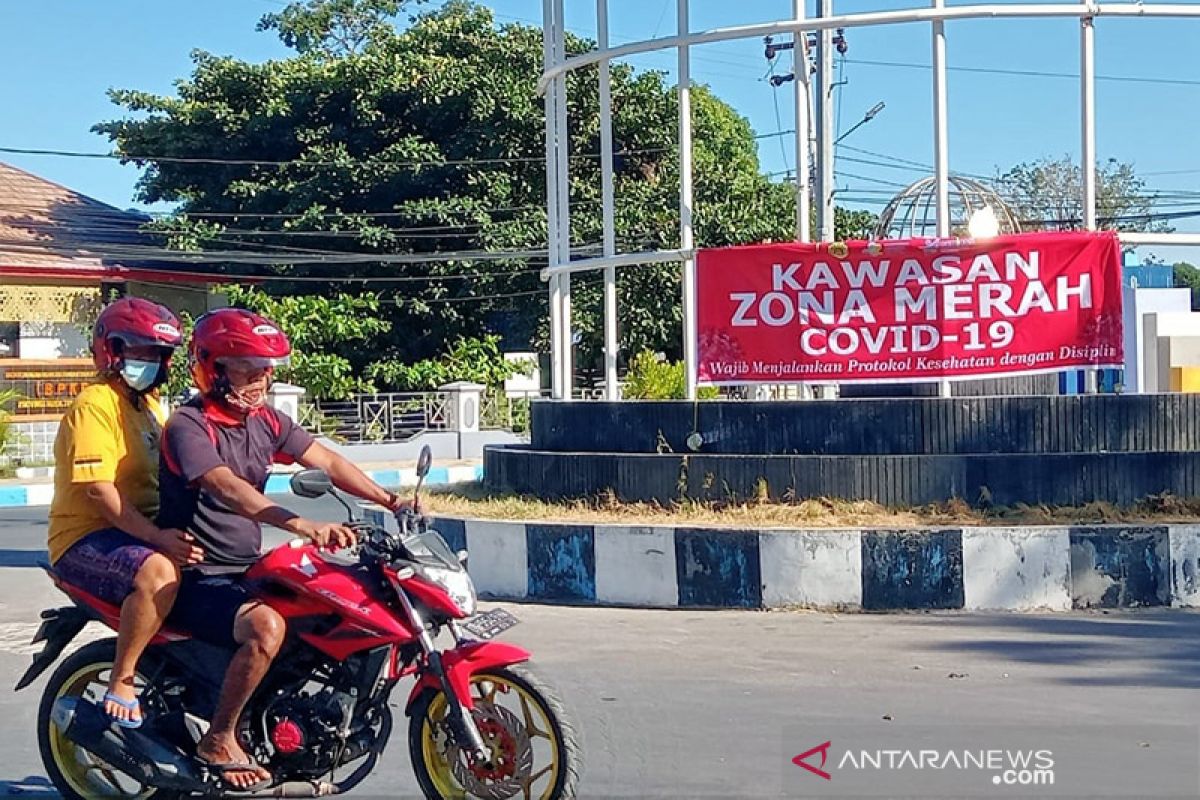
[140,375]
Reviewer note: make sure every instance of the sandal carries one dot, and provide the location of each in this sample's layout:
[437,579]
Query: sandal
[223,767]
[132,706]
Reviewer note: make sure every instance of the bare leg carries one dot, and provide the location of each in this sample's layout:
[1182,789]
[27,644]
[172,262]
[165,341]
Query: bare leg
[154,589]
[259,630]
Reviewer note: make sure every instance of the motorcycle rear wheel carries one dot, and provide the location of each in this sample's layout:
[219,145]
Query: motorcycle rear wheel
[75,772]
[520,718]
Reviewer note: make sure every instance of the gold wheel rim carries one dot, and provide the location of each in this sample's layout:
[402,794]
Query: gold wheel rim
[86,774]
[490,690]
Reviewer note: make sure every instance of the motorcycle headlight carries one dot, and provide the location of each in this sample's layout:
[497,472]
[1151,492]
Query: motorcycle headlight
[458,586]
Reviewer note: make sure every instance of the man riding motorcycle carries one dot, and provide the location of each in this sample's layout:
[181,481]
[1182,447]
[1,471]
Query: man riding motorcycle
[216,456]
[101,538]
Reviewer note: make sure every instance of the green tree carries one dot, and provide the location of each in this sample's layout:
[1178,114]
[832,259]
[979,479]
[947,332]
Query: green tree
[1188,277]
[476,360]
[429,139]
[318,327]
[1047,195]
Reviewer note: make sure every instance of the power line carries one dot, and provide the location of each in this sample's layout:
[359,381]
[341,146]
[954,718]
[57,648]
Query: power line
[431,163]
[1031,73]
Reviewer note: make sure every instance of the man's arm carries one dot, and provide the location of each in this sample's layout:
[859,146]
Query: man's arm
[347,477]
[244,499]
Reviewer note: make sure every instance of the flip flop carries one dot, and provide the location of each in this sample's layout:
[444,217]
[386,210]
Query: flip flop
[129,705]
[223,767]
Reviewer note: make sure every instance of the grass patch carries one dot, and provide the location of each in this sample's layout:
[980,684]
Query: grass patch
[473,500]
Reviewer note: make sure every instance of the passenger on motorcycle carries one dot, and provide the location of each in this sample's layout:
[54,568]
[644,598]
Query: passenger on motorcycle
[106,457]
[216,457]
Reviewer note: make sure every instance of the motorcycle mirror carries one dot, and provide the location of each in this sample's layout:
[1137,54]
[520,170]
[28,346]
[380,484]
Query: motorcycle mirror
[311,483]
[424,461]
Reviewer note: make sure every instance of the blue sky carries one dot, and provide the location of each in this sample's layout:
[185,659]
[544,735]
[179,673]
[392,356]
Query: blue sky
[60,56]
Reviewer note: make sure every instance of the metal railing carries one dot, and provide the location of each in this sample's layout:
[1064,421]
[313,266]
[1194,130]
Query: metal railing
[390,417]
[399,416]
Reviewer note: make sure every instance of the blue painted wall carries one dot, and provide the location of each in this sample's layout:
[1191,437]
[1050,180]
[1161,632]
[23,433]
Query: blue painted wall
[562,562]
[718,568]
[912,569]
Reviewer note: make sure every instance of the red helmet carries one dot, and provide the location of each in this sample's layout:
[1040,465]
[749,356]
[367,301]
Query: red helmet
[233,333]
[132,321]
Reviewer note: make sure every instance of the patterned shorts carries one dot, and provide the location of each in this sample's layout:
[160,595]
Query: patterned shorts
[104,564]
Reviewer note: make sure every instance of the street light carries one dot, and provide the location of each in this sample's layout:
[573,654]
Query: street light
[870,115]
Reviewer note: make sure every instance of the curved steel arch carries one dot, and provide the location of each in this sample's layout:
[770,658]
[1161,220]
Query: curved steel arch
[552,84]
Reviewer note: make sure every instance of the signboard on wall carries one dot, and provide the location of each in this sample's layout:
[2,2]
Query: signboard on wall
[45,387]
[910,310]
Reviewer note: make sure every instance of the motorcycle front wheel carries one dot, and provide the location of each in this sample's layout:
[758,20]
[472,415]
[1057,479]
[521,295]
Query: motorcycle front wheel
[75,772]
[535,752]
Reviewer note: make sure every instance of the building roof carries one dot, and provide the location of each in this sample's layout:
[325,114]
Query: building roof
[50,231]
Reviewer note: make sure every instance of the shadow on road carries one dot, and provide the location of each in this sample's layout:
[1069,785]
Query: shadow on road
[23,558]
[1153,648]
[31,785]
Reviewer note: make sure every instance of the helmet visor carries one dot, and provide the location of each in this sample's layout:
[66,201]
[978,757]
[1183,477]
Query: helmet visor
[252,363]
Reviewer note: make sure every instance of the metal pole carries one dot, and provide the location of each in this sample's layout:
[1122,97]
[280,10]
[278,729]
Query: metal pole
[549,33]
[800,70]
[941,157]
[608,204]
[1087,111]
[825,118]
[1087,108]
[564,207]
[787,27]
[686,241]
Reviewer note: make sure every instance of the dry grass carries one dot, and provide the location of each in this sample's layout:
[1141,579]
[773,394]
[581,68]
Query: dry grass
[475,501]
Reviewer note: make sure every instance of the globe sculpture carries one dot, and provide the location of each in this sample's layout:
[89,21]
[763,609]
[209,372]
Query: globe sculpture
[975,210]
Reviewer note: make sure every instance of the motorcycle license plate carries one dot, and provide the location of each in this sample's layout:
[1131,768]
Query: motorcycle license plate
[491,623]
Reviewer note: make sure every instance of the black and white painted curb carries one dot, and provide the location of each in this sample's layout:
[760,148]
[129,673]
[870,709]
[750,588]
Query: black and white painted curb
[1016,569]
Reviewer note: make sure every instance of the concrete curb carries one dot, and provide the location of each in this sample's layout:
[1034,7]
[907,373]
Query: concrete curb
[1013,569]
[40,494]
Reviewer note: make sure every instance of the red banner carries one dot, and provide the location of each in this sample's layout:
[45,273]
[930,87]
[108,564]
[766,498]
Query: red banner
[912,310]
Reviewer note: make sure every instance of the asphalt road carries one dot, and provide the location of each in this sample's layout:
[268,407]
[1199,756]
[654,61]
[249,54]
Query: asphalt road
[717,703]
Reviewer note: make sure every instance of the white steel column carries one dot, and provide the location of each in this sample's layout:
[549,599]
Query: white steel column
[801,81]
[567,346]
[825,154]
[686,240]
[1087,112]
[941,157]
[550,32]
[608,204]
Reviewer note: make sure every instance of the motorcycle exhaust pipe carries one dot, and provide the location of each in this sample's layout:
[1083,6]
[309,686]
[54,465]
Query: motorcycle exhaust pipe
[292,789]
[128,750]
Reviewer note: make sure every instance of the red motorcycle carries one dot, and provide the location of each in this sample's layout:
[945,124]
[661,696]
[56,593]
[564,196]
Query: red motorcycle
[480,723]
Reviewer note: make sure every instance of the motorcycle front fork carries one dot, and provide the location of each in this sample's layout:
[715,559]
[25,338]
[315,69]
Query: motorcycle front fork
[462,725]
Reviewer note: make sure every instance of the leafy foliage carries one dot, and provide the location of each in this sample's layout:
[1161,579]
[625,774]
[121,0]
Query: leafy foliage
[1188,277]
[1047,195]
[7,431]
[652,378]
[478,360]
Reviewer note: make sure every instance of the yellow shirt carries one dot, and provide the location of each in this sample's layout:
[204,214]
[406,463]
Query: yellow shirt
[103,437]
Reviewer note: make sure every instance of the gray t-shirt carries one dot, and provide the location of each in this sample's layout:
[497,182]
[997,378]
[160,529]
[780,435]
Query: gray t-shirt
[201,436]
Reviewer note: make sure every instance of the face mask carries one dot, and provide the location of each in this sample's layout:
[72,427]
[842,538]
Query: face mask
[140,375]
